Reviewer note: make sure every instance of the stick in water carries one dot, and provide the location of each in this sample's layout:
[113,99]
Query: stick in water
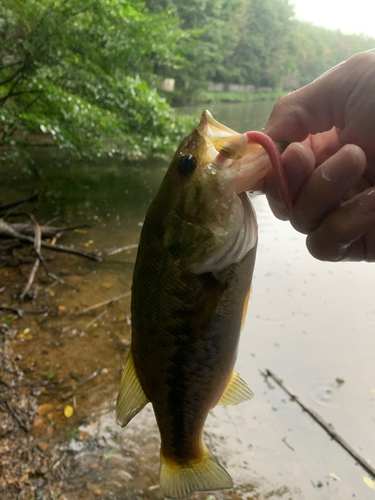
[105,302]
[327,427]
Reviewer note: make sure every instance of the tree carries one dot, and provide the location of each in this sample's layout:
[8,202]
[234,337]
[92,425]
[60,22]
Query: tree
[318,49]
[262,54]
[213,31]
[79,71]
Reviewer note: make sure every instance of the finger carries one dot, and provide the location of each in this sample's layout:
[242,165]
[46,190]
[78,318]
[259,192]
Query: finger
[299,163]
[348,233]
[327,186]
[324,145]
[303,112]
[317,107]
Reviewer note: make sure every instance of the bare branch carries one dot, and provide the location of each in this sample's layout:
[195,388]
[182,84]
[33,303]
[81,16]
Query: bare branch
[327,427]
[105,302]
[39,253]
[122,249]
[7,228]
[37,245]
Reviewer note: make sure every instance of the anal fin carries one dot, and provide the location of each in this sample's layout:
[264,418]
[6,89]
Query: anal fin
[131,398]
[236,391]
[181,480]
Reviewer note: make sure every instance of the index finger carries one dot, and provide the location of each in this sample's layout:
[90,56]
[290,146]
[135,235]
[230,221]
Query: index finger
[317,107]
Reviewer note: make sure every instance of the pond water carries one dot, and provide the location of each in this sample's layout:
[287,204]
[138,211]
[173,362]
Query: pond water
[311,323]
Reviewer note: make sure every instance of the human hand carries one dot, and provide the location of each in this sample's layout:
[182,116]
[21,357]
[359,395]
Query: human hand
[331,173]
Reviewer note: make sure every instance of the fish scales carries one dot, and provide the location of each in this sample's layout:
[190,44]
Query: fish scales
[191,285]
[189,335]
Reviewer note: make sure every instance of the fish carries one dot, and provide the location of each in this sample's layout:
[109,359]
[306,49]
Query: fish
[191,286]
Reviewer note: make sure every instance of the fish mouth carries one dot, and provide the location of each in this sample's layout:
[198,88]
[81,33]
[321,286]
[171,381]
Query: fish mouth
[209,127]
[228,150]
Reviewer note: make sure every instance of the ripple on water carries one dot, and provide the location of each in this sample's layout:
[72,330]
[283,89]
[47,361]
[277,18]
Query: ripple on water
[326,394]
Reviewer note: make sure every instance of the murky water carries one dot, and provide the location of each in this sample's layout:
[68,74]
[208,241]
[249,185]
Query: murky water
[311,323]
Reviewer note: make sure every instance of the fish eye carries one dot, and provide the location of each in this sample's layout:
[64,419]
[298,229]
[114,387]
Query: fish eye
[186,164]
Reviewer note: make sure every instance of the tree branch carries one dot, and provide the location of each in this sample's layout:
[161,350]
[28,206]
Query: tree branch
[57,248]
[4,99]
[327,427]
[37,245]
[26,64]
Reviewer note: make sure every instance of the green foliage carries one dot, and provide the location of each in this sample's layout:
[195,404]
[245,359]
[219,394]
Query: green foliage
[237,41]
[214,35]
[8,319]
[318,49]
[49,374]
[254,42]
[79,71]
[264,47]
[72,433]
[81,74]
[273,44]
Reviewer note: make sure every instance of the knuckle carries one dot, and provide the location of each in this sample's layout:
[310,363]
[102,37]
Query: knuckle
[362,58]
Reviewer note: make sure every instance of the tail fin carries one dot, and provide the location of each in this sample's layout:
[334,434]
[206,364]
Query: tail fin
[180,481]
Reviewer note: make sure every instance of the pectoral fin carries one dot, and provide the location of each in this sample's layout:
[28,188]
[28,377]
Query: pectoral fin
[236,391]
[131,398]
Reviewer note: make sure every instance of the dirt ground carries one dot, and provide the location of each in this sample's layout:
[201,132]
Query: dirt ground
[58,368]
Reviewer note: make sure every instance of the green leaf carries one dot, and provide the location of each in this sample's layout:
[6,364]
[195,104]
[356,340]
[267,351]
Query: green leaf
[8,319]
[110,454]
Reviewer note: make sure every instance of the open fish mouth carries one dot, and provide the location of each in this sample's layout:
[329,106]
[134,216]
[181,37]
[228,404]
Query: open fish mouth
[251,156]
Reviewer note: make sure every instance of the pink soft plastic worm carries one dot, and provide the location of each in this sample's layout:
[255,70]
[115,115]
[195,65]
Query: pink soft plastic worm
[275,157]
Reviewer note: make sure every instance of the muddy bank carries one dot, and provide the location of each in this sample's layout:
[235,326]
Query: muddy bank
[60,371]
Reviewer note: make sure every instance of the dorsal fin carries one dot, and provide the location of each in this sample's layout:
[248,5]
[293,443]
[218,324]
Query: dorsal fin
[131,398]
[236,391]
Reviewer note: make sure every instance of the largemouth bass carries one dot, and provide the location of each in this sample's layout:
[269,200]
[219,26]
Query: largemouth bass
[191,285]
